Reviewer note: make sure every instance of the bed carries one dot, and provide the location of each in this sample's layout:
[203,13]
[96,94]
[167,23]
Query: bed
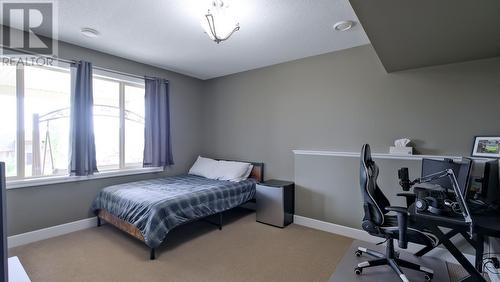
[149,209]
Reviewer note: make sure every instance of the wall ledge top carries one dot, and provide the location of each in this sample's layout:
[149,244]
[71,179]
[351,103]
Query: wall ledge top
[374,155]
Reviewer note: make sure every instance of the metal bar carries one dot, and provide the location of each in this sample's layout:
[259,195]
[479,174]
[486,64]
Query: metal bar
[474,274]
[374,253]
[466,236]
[119,72]
[35,147]
[461,199]
[20,144]
[398,270]
[218,224]
[152,255]
[44,153]
[122,126]
[479,252]
[425,250]
[448,235]
[49,144]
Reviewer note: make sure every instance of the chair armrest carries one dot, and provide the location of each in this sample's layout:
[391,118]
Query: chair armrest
[402,214]
[410,198]
[408,195]
[399,210]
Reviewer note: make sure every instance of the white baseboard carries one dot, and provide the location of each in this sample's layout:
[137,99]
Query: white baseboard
[58,230]
[359,234]
[335,228]
[49,232]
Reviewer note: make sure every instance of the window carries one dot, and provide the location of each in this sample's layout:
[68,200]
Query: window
[8,139]
[34,110]
[35,126]
[47,93]
[107,123]
[134,124]
[118,121]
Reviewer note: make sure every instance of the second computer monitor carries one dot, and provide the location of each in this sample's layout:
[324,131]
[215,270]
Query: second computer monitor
[490,189]
[460,169]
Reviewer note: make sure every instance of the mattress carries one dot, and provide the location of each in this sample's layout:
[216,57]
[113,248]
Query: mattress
[156,206]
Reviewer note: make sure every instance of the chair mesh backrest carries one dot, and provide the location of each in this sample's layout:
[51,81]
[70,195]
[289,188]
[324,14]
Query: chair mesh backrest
[374,200]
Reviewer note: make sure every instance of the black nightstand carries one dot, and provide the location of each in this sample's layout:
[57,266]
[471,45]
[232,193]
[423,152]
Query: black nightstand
[275,202]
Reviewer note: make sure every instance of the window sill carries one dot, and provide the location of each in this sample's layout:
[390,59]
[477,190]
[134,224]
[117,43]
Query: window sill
[22,183]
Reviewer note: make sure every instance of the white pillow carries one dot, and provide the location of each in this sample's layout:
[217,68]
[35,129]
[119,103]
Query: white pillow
[232,171]
[246,174]
[205,167]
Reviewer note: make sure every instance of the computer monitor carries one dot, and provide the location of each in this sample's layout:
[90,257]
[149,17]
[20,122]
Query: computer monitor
[461,170]
[490,190]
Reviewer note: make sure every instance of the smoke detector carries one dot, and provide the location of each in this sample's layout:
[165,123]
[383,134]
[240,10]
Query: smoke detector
[89,32]
[343,25]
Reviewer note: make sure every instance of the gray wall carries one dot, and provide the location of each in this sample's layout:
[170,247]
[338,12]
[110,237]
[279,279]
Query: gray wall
[39,207]
[338,101]
[327,186]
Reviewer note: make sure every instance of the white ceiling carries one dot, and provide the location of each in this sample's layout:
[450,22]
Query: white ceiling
[167,33]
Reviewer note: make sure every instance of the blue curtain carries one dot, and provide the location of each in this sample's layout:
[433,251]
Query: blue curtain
[157,144]
[82,143]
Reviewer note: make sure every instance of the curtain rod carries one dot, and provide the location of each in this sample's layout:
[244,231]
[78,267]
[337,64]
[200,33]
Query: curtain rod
[99,68]
[74,62]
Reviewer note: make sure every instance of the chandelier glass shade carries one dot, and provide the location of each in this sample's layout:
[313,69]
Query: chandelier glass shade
[218,23]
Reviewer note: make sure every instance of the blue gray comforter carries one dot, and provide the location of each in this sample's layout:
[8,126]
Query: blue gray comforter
[156,206]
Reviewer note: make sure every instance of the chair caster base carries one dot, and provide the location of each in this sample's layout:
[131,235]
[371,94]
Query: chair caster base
[391,258]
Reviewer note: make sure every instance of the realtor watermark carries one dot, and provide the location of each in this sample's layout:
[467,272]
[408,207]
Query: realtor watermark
[27,60]
[28,35]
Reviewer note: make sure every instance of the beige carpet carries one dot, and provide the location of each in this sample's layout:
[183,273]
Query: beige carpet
[243,251]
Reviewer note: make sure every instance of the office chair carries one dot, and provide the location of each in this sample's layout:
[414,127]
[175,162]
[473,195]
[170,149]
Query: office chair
[378,223]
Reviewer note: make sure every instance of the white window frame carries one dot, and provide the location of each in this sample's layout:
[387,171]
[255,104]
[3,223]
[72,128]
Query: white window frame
[48,180]
[20,140]
[122,81]
[20,181]
[20,132]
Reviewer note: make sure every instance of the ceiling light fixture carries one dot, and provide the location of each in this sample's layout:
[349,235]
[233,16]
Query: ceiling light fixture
[89,32]
[218,23]
[343,25]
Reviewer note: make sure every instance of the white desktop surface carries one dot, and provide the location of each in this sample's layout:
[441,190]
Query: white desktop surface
[16,271]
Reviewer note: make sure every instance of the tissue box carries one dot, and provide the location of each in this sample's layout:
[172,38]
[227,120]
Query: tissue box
[401,150]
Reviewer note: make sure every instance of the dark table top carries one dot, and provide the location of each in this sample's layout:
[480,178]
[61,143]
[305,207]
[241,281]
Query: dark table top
[486,223]
[277,183]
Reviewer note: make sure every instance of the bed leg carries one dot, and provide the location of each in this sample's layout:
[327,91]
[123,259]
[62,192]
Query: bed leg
[98,221]
[152,254]
[220,221]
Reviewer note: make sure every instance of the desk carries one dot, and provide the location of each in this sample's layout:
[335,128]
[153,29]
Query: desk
[483,226]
